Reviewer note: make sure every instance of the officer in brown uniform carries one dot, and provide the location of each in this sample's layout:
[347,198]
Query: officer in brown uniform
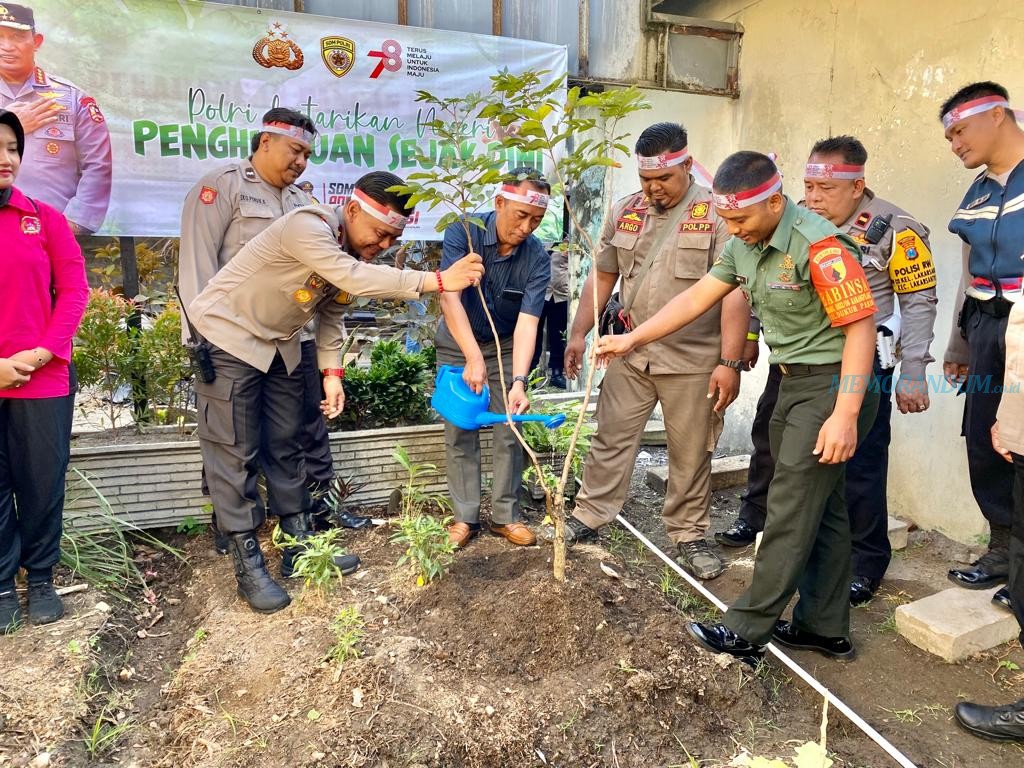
[661,241]
[249,316]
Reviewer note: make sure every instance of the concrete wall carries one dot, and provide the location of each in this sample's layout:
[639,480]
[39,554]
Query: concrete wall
[878,70]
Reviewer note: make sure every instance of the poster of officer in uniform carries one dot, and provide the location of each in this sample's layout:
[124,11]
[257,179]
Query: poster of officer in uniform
[67,143]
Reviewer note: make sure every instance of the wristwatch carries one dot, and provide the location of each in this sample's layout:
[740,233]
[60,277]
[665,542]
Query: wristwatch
[526,381]
[736,365]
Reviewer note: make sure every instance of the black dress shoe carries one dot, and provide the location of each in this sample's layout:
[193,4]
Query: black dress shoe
[718,638]
[348,520]
[1002,599]
[990,569]
[862,589]
[835,647]
[740,534]
[1004,723]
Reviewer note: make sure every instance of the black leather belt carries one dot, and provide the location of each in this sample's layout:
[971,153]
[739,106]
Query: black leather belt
[997,306]
[800,369]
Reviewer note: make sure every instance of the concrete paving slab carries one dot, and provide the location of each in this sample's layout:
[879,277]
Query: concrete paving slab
[726,472]
[955,623]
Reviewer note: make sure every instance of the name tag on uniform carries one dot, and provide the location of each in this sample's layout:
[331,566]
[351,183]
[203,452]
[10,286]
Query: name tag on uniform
[783,287]
[696,226]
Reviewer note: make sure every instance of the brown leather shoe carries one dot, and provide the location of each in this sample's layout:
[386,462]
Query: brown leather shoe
[517,533]
[461,533]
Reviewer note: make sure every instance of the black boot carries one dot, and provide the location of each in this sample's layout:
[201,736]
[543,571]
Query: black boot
[557,378]
[262,593]
[300,528]
[10,612]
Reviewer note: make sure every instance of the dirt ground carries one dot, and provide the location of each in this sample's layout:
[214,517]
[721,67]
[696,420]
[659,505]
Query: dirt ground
[494,665]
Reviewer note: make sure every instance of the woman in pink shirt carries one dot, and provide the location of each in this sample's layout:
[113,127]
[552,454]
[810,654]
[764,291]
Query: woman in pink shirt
[43,293]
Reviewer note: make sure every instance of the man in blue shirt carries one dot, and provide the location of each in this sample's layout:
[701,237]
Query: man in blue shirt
[517,272]
[982,131]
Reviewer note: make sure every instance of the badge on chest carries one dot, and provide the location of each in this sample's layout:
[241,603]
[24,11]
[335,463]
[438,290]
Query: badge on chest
[631,221]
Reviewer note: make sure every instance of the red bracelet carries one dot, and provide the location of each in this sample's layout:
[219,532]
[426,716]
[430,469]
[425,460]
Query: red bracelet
[339,372]
[440,283]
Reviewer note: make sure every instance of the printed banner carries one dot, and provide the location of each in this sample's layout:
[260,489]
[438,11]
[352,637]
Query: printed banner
[128,102]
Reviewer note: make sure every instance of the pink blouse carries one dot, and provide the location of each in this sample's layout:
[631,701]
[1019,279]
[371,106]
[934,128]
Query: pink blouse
[43,291]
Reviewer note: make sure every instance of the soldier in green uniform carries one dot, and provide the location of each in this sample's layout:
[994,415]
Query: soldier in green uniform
[804,280]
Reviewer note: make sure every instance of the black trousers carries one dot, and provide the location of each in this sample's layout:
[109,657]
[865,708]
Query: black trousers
[1016,583]
[250,420]
[315,439]
[991,476]
[866,477]
[35,444]
[553,322]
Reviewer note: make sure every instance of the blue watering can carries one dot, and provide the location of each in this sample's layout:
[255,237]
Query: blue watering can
[458,404]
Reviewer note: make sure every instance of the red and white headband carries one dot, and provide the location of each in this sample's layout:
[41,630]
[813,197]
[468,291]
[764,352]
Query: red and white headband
[296,132]
[737,200]
[833,171]
[666,160]
[528,196]
[971,108]
[379,211]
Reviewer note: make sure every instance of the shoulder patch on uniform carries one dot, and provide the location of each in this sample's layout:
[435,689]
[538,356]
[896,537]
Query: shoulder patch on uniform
[207,195]
[94,110]
[250,174]
[840,282]
[862,220]
[911,268]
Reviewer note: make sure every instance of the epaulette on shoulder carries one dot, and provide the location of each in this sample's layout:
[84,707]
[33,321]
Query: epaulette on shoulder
[63,81]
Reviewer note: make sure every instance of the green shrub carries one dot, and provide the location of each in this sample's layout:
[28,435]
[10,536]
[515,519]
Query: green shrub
[105,347]
[391,392]
[163,362]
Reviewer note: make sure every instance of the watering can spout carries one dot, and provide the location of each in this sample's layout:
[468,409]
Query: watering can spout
[466,409]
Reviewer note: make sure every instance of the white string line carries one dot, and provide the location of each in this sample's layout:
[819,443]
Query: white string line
[854,718]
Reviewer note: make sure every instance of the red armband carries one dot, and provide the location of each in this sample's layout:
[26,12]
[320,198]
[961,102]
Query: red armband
[840,282]
[440,282]
[339,372]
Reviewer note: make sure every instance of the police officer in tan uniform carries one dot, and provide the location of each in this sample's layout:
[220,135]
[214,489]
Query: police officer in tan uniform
[224,210]
[694,372]
[897,260]
[249,316]
[67,144]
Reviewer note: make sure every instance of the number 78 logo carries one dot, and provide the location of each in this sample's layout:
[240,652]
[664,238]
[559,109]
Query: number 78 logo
[390,55]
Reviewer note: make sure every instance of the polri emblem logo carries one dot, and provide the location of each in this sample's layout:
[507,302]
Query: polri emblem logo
[30,225]
[339,54]
[276,50]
